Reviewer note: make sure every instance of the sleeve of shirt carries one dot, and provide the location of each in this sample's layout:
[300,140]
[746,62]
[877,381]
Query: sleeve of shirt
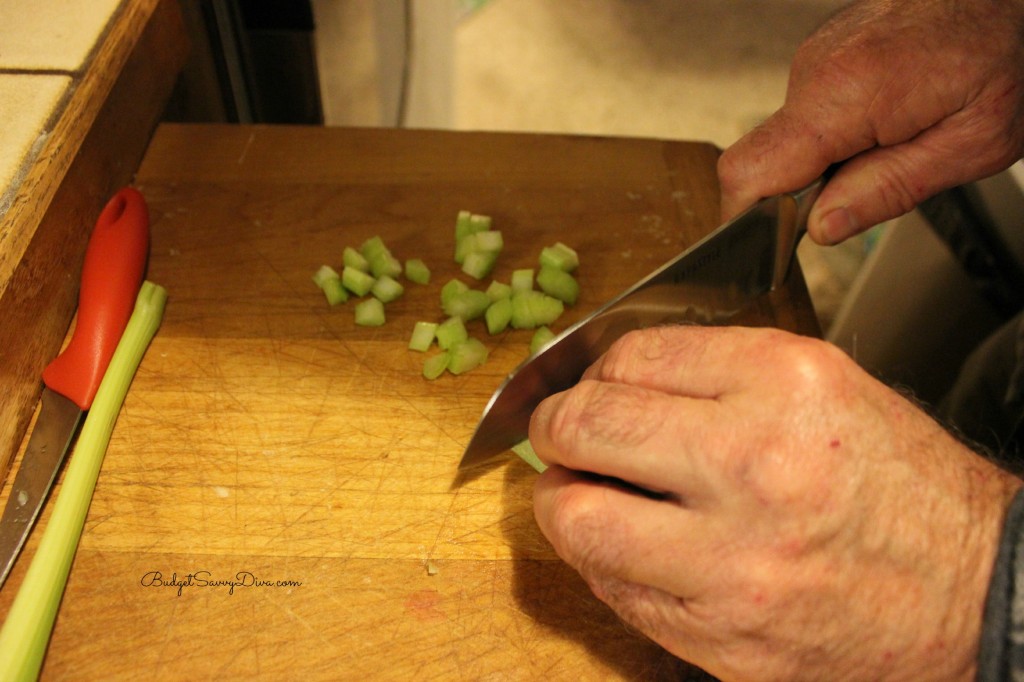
[1001,650]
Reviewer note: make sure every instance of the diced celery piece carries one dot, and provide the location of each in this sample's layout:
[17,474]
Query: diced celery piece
[479,264]
[370,313]
[479,222]
[467,355]
[452,288]
[417,271]
[467,224]
[464,225]
[387,289]
[522,280]
[542,337]
[323,274]
[334,290]
[498,290]
[498,315]
[464,247]
[451,332]
[386,266]
[435,365]
[423,334]
[468,305]
[356,281]
[490,241]
[559,256]
[526,452]
[374,248]
[558,283]
[532,309]
[353,259]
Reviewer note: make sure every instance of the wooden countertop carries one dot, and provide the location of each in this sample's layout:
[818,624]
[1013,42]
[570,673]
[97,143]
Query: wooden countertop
[266,436]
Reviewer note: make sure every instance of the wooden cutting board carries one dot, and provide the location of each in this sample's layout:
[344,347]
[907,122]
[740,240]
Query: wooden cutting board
[267,438]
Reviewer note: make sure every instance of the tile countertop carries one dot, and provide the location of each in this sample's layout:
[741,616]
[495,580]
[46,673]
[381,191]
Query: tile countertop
[45,47]
[82,86]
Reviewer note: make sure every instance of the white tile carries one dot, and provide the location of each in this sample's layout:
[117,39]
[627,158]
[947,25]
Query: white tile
[52,35]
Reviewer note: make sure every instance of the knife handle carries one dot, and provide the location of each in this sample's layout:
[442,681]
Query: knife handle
[112,272]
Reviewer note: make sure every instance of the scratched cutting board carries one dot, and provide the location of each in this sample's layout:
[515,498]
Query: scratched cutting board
[267,438]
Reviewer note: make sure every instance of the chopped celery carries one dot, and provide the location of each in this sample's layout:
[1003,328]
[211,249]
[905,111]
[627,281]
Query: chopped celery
[542,337]
[522,280]
[464,225]
[386,266]
[379,256]
[417,271]
[498,315]
[374,248]
[451,332]
[467,224]
[498,290]
[489,241]
[451,289]
[463,248]
[525,451]
[356,281]
[479,264]
[468,305]
[387,289]
[532,309]
[353,259]
[423,334]
[323,274]
[559,256]
[435,365]
[370,313]
[558,283]
[467,355]
[335,292]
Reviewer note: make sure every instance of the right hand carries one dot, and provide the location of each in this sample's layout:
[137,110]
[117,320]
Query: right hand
[914,97]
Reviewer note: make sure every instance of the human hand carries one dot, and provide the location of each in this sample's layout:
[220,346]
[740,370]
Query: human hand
[813,523]
[915,97]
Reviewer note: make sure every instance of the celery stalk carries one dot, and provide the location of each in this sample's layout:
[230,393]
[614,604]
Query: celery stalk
[26,631]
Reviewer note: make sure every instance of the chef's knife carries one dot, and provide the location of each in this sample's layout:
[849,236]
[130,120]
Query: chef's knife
[115,260]
[709,283]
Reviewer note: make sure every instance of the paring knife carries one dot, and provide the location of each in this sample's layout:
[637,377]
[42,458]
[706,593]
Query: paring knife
[112,272]
[709,283]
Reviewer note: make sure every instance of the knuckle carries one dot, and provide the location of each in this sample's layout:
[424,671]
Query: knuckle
[595,414]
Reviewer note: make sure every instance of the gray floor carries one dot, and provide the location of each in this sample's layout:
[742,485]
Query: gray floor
[704,70]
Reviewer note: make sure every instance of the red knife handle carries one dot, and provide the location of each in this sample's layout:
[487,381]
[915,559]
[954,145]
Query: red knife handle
[115,262]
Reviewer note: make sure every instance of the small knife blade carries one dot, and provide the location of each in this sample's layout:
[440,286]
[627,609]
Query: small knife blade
[112,272]
[709,283]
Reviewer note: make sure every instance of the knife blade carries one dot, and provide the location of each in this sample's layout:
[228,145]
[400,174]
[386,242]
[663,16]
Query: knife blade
[115,261]
[709,283]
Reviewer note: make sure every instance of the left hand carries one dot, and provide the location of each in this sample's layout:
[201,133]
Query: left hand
[814,524]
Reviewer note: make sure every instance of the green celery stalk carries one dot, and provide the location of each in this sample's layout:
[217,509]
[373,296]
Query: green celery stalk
[26,631]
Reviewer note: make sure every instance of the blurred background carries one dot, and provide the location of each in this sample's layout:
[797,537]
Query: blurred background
[908,300]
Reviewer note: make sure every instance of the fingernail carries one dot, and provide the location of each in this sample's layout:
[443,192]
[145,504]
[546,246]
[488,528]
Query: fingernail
[838,224]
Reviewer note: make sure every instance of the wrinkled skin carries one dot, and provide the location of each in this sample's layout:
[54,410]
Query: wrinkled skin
[908,97]
[812,523]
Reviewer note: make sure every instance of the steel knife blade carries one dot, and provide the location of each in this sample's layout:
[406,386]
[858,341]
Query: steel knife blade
[115,261]
[709,283]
